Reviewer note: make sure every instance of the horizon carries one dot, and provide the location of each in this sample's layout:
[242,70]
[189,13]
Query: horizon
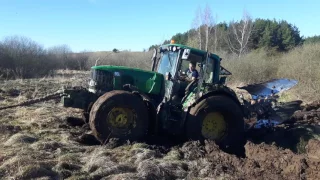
[96,25]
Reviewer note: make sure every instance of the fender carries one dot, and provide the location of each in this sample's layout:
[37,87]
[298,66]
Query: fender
[215,90]
[211,90]
[154,123]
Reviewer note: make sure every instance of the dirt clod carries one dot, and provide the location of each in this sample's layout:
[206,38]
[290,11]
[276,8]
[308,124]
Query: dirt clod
[10,129]
[31,172]
[73,121]
[19,138]
[152,170]
[12,92]
[313,149]
[113,143]
[49,145]
[88,139]
[193,150]
[312,106]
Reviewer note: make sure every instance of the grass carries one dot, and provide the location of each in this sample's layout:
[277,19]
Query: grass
[300,64]
[173,155]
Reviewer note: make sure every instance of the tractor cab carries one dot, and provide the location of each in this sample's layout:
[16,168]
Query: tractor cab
[194,79]
[174,61]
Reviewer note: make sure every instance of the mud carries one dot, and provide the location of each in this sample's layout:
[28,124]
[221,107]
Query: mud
[73,121]
[42,141]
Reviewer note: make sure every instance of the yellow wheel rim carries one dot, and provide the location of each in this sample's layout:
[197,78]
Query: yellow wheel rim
[214,126]
[121,117]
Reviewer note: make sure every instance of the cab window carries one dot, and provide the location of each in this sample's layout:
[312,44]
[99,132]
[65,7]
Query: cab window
[208,71]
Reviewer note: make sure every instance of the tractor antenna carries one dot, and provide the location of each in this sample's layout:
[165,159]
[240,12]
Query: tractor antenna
[97,61]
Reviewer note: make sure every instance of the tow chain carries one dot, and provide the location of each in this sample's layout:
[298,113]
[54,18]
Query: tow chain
[33,101]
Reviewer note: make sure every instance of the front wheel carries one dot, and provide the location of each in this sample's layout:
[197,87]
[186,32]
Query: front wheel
[119,114]
[218,118]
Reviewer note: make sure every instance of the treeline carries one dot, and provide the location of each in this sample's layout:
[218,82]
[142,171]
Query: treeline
[21,57]
[240,37]
[313,39]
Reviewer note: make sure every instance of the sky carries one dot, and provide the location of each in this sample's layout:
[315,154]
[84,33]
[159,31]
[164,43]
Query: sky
[101,25]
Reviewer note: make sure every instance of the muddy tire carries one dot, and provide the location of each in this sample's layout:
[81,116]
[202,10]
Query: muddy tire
[217,118]
[119,114]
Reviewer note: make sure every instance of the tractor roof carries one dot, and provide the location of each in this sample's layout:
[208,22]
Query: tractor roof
[193,50]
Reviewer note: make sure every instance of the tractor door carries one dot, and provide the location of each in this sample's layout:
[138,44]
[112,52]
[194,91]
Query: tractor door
[167,65]
[210,71]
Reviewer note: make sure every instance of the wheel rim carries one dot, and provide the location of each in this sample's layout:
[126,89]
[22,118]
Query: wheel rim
[122,118]
[214,126]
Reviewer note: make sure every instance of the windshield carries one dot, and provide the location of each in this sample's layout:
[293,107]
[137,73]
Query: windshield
[168,62]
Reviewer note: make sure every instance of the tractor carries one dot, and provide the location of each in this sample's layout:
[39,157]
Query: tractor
[167,100]
[130,104]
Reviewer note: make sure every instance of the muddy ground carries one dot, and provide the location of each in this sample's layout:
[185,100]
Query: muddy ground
[41,142]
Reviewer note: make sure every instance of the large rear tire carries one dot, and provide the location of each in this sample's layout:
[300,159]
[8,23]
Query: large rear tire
[119,114]
[218,118]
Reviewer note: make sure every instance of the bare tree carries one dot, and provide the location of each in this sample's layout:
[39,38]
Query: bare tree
[215,35]
[60,53]
[82,59]
[197,25]
[239,34]
[208,22]
[24,58]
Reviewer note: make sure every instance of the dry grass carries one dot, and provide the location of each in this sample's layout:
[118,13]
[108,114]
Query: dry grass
[36,142]
[301,64]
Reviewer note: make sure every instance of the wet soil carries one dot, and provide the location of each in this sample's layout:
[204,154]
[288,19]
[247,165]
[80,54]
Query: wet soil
[47,141]
[287,151]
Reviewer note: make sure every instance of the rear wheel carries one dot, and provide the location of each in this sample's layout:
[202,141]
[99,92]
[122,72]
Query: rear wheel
[217,118]
[119,114]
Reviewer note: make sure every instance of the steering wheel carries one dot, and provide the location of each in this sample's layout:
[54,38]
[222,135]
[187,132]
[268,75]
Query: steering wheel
[182,77]
[191,84]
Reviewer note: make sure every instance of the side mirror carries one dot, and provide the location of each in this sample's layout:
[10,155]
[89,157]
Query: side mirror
[168,76]
[154,53]
[154,57]
[185,54]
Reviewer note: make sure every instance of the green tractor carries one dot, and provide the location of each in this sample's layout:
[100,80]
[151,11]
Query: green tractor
[130,104]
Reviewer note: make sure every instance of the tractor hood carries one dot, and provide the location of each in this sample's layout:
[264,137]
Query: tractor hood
[146,81]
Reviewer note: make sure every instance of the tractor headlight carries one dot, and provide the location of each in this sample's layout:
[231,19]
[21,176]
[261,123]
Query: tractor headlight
[92,83]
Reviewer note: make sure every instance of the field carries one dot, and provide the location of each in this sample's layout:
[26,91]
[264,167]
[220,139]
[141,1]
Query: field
[41,141]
